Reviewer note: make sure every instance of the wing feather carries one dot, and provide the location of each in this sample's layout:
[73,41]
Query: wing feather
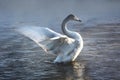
[49,40]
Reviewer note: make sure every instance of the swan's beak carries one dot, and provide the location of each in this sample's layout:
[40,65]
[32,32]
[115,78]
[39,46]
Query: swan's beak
[78,20]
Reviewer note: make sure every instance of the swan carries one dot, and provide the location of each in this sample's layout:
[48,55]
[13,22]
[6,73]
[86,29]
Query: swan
[67,47]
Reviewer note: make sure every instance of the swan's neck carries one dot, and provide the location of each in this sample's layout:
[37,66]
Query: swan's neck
[69,33]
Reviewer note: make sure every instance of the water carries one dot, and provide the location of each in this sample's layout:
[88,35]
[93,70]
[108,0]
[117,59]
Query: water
[22,59]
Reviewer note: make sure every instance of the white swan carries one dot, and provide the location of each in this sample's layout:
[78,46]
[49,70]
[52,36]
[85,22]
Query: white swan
[67,46]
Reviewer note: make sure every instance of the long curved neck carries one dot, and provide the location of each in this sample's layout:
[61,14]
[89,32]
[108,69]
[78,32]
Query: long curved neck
[67,32]
[64,27]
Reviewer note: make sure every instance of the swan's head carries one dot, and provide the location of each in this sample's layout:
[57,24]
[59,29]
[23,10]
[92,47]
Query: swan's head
[73,17]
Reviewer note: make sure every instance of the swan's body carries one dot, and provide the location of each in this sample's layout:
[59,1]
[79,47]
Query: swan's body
[67,46]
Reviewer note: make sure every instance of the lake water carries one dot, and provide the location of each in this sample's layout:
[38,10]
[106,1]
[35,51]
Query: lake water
[22,59]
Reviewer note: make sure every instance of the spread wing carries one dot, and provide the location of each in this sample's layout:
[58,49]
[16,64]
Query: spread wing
[49,40]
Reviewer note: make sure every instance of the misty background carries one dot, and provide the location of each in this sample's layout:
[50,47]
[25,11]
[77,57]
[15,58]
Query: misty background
[51,13]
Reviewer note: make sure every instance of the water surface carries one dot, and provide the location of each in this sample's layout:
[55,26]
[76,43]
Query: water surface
[22,59]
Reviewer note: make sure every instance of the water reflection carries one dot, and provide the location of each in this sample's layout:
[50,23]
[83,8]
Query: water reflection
[32,69]
[70,71]
[74,71]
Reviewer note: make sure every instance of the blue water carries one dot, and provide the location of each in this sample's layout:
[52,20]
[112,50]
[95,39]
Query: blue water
[22,59]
